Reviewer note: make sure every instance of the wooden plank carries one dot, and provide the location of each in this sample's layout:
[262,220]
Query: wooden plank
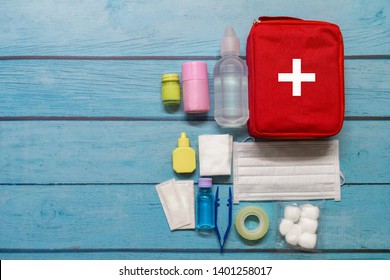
[114,27]
[133,88]
[338,255]
[129,218]
[85,189]
[52,152]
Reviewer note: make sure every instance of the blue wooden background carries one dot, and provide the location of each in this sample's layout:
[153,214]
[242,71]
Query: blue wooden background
[84,137]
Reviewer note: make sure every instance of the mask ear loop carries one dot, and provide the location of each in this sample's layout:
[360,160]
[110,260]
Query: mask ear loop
[342,178]
[249,137]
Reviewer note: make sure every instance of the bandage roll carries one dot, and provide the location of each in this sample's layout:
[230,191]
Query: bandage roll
[310,211]
[292,213]
[308,225]
[260,230]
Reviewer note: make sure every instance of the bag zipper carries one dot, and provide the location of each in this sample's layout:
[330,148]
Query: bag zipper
[285,19]
[268,18]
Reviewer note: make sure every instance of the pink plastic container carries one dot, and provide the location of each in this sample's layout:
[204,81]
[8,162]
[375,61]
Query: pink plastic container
[196,97]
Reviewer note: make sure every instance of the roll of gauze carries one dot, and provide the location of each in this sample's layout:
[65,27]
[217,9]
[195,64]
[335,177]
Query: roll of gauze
[307,240]
[285,226]
[308,225]
[292,213]
[293,234]
[310,211]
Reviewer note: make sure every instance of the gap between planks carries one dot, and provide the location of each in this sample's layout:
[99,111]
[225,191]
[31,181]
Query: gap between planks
[152,184]
[75,57]
[203,250]
[188,118]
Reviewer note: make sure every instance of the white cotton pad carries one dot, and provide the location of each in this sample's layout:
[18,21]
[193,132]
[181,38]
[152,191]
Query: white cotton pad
[310,211]
[308,225]
[293,234]
[292,213]
[285,226]
[307,240]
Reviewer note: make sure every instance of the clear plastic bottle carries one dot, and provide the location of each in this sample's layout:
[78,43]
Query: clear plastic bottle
[205,205]
[230,83]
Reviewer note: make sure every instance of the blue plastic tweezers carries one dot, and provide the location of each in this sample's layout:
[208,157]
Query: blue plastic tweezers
[216,205]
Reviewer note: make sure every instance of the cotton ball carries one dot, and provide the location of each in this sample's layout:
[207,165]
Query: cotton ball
[285,226]
[308,225]
[310,211]
[307,240]
[292,213]
[293,234]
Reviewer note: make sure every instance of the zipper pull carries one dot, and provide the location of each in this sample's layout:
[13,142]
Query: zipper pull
[256,21]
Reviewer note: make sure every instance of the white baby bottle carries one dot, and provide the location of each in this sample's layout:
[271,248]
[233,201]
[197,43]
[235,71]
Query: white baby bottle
[230,83]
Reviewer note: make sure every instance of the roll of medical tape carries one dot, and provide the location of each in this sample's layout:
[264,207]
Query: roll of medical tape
[260,230]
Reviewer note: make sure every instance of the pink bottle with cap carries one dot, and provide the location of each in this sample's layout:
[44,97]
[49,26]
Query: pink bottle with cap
[196,96]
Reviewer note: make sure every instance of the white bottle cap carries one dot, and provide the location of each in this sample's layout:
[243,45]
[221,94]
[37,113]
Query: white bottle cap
[230,43]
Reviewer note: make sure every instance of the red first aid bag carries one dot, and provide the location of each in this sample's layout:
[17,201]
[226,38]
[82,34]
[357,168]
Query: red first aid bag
[295,78]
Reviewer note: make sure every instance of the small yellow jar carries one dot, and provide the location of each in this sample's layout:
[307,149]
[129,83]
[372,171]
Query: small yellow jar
[170,89]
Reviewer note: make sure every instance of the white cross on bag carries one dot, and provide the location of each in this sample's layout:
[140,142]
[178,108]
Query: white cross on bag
[296,77]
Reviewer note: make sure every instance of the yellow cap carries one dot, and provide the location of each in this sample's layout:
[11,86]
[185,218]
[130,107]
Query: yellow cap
[169,77]
[170,89]
[183,141]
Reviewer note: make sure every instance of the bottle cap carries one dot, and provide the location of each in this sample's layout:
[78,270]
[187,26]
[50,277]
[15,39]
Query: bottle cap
[205,182]
[183,141]
[170,77]
[194,70]
[230,43]
[170,92]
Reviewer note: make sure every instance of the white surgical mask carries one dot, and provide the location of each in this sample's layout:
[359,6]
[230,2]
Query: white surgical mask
[288,170]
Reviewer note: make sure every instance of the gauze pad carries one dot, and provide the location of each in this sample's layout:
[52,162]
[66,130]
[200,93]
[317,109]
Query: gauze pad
[291,170]
[172,205]
[185,190]
[215,154]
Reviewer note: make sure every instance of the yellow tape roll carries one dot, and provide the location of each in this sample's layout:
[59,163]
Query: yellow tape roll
[252,234]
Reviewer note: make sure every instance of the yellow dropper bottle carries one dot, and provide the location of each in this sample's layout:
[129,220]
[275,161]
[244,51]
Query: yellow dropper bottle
[183,157]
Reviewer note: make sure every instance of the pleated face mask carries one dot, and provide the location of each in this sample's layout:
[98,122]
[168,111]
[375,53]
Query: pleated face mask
[291,170]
